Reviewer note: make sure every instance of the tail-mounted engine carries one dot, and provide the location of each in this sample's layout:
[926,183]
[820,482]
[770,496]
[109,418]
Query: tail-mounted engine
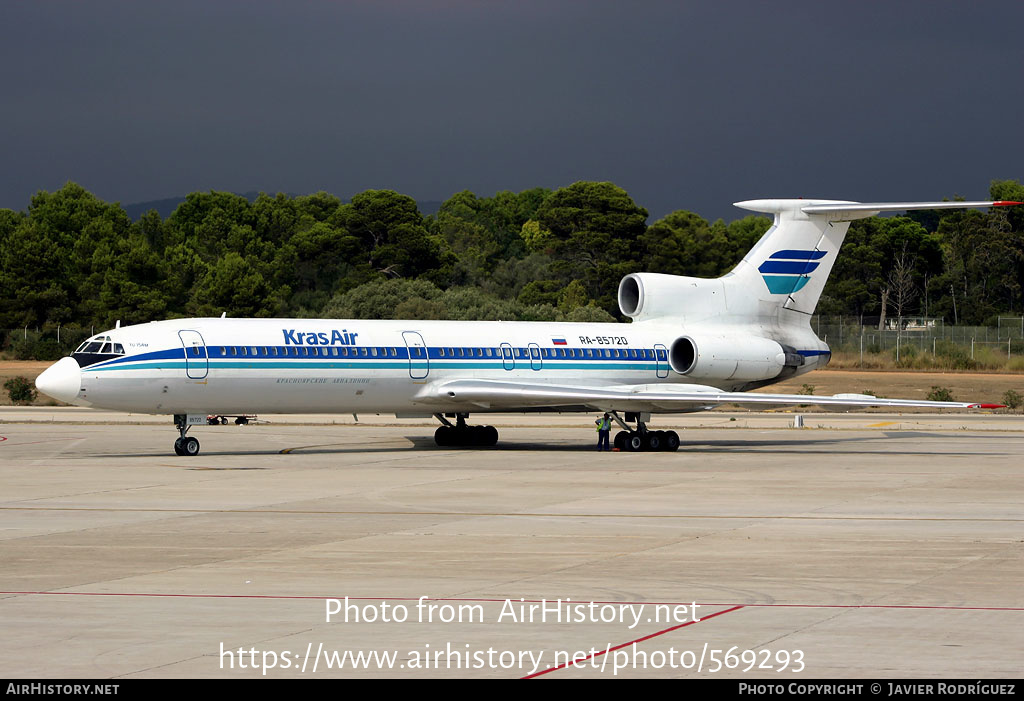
[655,295]
[745,359]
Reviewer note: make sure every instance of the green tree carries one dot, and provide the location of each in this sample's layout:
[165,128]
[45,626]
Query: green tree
[385,230]
[502,216]
[34,287]
[683,243]
[474,248]
[541,292]
[597,228]
[20,390]
[878,253]
[233,285]
[573,297]
[379,298]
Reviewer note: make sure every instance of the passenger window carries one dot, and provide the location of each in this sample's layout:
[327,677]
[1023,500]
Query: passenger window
[244,350]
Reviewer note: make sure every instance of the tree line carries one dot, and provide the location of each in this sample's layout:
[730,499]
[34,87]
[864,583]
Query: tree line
[71,258]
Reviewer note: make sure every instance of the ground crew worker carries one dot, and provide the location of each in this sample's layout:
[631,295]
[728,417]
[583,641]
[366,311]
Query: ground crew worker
[604,427]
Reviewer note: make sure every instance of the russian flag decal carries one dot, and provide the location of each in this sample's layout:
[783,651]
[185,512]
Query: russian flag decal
[558,341]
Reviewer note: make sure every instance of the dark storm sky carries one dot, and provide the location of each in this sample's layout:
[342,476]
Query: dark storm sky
[687,105]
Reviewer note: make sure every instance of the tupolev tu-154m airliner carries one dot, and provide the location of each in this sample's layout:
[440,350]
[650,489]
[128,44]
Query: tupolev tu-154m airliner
[693,344]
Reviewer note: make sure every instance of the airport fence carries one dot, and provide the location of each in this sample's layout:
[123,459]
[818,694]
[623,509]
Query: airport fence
[921,342]
[908,342]
[43,343]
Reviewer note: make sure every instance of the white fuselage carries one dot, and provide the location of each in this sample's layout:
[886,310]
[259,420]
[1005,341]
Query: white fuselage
[234,366]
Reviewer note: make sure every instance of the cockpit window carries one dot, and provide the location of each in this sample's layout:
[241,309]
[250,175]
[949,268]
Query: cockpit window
[97,349]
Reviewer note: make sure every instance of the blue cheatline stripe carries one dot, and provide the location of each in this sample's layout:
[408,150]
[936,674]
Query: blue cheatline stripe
[784,284]
[788,267]
[808,353]
[350,354]
[799,255]
[374,365]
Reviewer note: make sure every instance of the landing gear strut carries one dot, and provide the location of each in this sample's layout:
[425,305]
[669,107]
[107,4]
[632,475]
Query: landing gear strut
[462,435]
[641,439]
[184,445]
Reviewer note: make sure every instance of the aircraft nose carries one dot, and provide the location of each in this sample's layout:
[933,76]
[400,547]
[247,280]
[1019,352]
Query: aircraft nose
[62,380]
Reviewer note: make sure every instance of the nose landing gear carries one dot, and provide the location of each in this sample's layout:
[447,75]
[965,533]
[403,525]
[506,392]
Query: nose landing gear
[184,445]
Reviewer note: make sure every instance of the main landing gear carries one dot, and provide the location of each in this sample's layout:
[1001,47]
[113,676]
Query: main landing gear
[462,435]
[184,445]
[641,439]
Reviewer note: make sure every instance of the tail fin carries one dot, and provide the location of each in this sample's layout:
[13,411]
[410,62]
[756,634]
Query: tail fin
[791,263]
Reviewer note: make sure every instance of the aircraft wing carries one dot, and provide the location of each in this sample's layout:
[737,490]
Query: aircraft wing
[510,395]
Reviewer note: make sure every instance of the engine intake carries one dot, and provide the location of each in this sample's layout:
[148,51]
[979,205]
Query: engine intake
[654,295]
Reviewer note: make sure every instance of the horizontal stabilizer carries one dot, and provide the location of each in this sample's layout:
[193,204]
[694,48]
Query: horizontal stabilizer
[844,210]
[861,210]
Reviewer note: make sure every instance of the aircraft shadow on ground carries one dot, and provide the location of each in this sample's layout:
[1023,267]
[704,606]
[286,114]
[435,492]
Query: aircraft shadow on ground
[799,444]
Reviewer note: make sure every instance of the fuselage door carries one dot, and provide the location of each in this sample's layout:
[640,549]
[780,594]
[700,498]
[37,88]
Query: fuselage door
[536,362]
[419,363]
[197,362]
[507,358]
[661,360]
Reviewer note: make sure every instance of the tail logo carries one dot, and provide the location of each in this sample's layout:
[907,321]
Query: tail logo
[786,272]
